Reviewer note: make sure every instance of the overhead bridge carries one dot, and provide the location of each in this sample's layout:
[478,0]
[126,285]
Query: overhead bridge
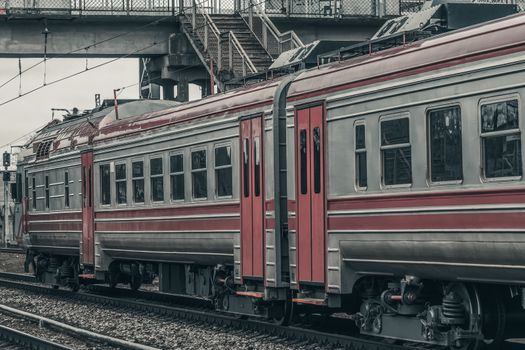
[187,41]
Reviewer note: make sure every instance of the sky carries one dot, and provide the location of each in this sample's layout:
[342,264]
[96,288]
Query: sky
[34,110]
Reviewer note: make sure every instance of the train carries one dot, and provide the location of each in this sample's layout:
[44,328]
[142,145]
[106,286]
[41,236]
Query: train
[388,187]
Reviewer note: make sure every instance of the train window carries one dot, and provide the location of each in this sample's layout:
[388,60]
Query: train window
[66,189]
[33,195]
[223,171]
[121,184]
[444,138]
[246,167]
[199,174]
[137,173]
[90,186]
[26,187]
[360,157]
[396,152]
[47,191]
[84,193]
[105,185]
[501,139]
[257,166]
[317,160]
[177,177]
[302,160]
[157,180]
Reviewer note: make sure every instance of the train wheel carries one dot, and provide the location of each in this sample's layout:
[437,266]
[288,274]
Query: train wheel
[281,312]
[473,307]
[135,278]
[494,319]
[135,283]
[113,279]
[486,314]
[74,286]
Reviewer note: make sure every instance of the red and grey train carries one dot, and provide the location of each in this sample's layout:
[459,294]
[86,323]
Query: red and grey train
[389,187]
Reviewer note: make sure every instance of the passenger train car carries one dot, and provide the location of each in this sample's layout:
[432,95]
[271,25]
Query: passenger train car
[389,187]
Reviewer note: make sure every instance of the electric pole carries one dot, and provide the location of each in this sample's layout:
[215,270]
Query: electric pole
[6,161]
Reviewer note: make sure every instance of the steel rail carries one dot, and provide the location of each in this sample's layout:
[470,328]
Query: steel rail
[12,250]
[75,331]
[207,316]
[28,341]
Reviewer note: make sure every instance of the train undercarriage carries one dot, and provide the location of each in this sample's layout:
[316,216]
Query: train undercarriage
[462,316]
[453,314]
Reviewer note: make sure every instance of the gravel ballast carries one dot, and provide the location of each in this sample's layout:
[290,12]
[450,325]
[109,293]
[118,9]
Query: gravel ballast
[57,336]
[144,328]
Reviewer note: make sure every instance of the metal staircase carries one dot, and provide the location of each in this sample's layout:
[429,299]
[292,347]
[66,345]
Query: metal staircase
[236,47]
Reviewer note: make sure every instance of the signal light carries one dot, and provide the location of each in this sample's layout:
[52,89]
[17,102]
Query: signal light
[7,176]
[6,159]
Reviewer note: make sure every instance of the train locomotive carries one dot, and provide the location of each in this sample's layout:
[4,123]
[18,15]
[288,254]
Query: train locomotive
[388,187]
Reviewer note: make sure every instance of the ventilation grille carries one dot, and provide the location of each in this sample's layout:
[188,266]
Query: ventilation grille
[43,149]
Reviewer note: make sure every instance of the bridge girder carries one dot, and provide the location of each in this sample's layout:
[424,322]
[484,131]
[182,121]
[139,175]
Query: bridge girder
[24,37]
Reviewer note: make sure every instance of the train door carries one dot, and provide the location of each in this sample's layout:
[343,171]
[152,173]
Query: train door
[309,141]
[87,244]
[252,198]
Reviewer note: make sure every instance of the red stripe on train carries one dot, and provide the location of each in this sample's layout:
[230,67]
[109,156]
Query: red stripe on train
[222,208]
[64,216]
[206,224]
[447,221]
[50,226]
[430,199]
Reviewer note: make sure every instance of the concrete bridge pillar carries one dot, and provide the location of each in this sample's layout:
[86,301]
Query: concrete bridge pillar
[183,91]
[154,91]
[168,90]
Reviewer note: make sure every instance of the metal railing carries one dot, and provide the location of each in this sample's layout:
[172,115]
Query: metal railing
[273,41]
[90,7]
[226,57]
[346,8]
[272,8]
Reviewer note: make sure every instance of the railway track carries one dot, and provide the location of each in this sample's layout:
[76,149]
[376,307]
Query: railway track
[13,339]
[21,329]
[11,250]
[200,312]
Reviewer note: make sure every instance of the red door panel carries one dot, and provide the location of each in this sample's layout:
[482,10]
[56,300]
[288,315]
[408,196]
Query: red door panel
[257,198]
[88,241]
[310,194]
[252,198]
[317,193]
[304,241]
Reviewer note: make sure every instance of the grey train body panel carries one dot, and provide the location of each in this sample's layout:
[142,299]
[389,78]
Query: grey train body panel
[495,256]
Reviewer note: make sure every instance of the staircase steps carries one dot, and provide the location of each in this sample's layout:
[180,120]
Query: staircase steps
[247,40]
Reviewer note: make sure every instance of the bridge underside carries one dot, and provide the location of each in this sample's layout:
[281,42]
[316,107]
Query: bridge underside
[137,36]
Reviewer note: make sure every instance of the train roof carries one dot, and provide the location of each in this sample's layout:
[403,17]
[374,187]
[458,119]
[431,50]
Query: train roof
[247,98]
[58,136]
[485,40]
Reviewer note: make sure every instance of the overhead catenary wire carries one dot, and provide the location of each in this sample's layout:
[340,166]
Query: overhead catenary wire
[23,136]
[84,48]
[19,75]
[91,68]
[45,124]
[80,72]
[87,47]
